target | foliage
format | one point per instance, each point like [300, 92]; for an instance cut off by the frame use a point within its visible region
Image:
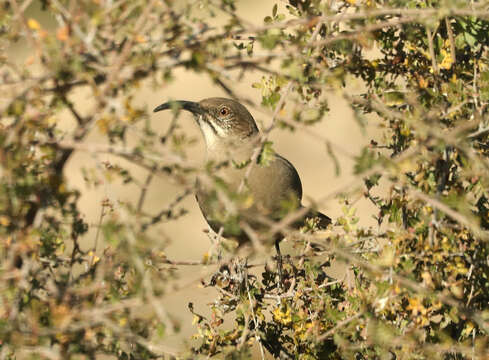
[419, 281]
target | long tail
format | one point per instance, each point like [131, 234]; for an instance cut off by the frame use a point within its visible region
[324, 220]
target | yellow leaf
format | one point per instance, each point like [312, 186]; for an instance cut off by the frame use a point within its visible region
[4, 221]
[248, 202]
[63, 33]
[33, 24]
[416, 306]
[469, 327]
[281, 316]
[62, 338]
[30, 60]
[447, 61]
[388, 256]
[423, 83]
[95, 258]
[104, 124]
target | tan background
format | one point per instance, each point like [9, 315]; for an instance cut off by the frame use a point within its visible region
[188, 242]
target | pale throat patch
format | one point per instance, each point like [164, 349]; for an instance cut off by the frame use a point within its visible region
[209, 135]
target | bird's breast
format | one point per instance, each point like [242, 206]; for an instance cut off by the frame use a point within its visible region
[260, 191]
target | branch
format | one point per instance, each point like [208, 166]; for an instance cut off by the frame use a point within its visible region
[451, 38]
[434, 64]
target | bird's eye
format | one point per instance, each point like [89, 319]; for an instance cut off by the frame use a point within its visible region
[224, 111]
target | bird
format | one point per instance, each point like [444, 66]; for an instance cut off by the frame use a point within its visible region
[266, 191]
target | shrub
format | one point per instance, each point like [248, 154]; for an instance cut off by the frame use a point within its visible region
[419, 280]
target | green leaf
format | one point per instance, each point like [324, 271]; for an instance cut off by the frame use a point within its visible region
[470, 39]
[366, 160]
[267, 154]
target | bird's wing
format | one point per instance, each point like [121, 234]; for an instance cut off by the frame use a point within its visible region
[292, 175]
[322, 220]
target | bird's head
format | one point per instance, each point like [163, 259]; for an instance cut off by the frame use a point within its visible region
[221, 120]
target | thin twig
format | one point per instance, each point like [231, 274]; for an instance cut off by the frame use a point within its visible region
[79, 119]
[451, 39]
[338, 325]
[255, 321]
[167, 211]
[434, 63]
[97, 234]
[144, 190]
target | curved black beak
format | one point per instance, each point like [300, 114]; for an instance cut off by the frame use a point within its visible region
[191, 106]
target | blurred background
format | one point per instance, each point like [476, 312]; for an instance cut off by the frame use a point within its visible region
[186, 236]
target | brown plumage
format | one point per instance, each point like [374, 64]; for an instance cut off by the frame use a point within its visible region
[231, 137]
